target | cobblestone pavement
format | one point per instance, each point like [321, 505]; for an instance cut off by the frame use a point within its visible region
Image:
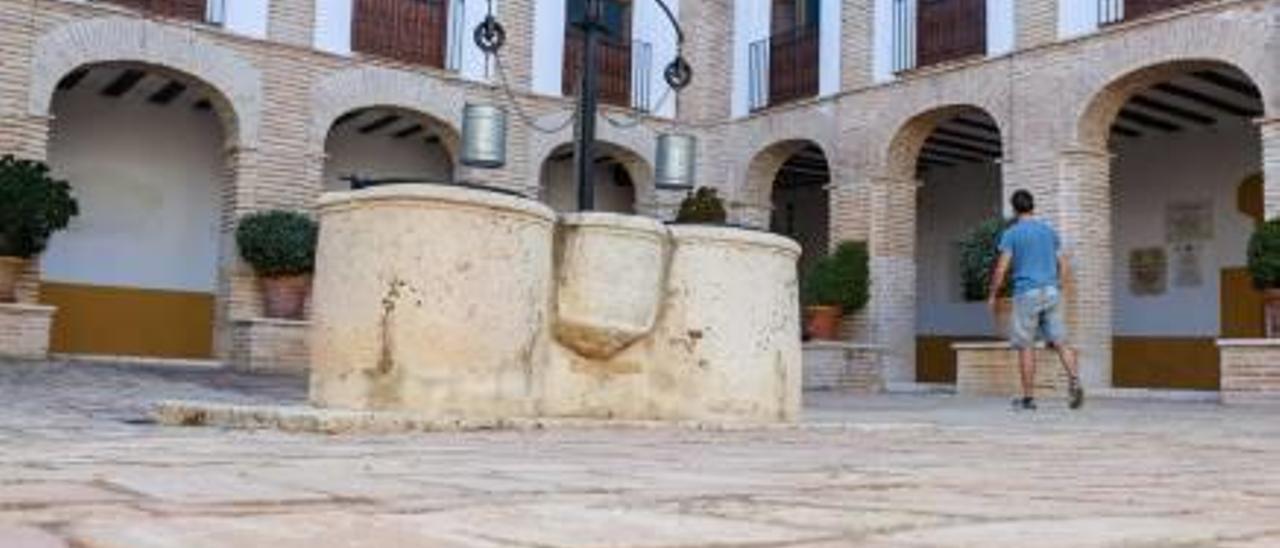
[80, 466]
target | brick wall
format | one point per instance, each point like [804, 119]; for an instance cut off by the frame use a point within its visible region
[1250, 371]
[1035, 22]
[24, 330]
[842, 366]
[991, 369]
[262, 344]
[291, 21]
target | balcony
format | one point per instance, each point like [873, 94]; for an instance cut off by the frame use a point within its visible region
[928, 32]
[783, 68]
[622, 68]
[412, 31]
[1116, 11]
[204, 11]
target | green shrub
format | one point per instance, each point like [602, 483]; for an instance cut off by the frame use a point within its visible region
[979, 251]
[33, 205]
[1264, 255]
[841, 279]
[278, 243]
[702, 206]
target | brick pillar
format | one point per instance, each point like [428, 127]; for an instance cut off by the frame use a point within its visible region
[24, 135]
[1270, 131]
[1035, 22]
[848, 220]
[1084, 220]
[708, 27]
[856, 43]
[292, 21]
[893, 274]
[517, 55]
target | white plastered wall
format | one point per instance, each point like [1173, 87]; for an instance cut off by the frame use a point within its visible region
[559, 191]
[1150, 173]
[149, 181]
[750, 23]
[349, 152]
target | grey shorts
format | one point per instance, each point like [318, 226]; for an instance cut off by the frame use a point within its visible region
[1037, 314]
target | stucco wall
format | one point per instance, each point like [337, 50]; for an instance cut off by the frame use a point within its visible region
[149, 180]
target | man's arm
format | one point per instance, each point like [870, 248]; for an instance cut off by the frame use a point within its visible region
[997, 277]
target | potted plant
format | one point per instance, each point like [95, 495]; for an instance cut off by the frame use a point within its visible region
[979, 252]
[838, 284]
[33, 205]
[702, 206]
[1264, 268]
[281, 248]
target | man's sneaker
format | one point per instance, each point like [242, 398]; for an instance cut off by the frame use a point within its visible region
[1024, 404]
[1075, 394]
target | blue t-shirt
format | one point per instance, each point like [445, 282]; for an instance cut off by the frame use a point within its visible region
[1034, 246]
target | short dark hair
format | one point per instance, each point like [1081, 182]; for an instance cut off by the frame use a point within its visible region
[1023, 202]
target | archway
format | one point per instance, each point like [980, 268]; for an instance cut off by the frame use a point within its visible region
[619, 172]
[799, 177]
[376, 144]
[136, 273]
[1185, 193]
[953, 155]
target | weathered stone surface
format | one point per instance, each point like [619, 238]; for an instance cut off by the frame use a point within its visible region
[861, 471]
[28, 537]
[431, 298]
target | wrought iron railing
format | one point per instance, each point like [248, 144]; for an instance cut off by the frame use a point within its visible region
[414, 31]
[205, 11]
[904, 35]
[623, 72]
[1115, 11]
[783, 67]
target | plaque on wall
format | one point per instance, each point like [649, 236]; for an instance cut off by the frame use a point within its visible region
[1148, 268]
[1186, 266]
[1189, 221]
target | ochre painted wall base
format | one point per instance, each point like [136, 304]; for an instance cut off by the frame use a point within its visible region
[125, 321]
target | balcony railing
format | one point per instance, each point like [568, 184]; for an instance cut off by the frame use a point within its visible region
[928, 32]
[623, 69]
[1115, 11]
[783, 68]
[413, 31]
[205, 11]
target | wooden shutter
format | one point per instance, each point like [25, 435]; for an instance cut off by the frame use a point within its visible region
[793, 65]
[950, 29]
[1139, 8]
[413, 31]
[194, 10]
[613, 61]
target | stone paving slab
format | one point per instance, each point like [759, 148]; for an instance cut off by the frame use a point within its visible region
[81, 465]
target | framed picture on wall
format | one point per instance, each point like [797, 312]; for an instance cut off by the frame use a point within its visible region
[1189, 221]
[1148, 271]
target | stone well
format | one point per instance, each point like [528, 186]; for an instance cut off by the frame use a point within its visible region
[430, 298]
[463, 303]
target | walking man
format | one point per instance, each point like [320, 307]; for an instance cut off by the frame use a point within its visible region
[1032, 250]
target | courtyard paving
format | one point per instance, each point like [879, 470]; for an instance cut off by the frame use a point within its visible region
[80, 465]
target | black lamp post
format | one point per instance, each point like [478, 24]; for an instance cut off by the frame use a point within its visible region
[490, 36]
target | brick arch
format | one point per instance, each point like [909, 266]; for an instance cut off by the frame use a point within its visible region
[636, 147]
[638, 167]
[904, 147]
[236, 82]
[763, 168]
[355, 89]
[1099, 112]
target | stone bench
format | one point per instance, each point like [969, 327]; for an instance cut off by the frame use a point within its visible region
[837, 365]
[270, 345]
[991, 369]
[1250, 370]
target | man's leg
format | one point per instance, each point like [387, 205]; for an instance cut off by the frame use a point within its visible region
[1027, 365]
[1056, 333]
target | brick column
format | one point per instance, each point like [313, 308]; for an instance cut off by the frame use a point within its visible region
[1084, 220]
[893, 274]
[1269, 129]
[1035, 22]
[24, 135]
[517, 55]
[856, 42]
[292, 21]
[708, 27]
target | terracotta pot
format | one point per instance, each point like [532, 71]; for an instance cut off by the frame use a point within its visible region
[285, 296]
[824, 322]
[10, 270]
[1271, 312]
[1002, 317]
